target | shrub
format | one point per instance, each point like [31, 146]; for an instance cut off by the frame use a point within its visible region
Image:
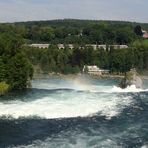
[4, 87]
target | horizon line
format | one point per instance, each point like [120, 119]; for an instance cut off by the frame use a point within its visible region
[62, 19]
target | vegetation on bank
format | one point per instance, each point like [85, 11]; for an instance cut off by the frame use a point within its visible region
[15, 69]
[4, 88]
[72, 60]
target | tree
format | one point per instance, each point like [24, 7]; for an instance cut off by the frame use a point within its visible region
[19, 72]
[2, 70]
[46, 34]
[4, 87]
[138, 30]
[15, 68]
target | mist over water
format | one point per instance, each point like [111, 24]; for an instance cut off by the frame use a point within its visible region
[79, 112]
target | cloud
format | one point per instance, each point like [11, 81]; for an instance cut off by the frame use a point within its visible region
[27, 10]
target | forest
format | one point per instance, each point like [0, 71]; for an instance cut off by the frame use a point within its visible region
[70, 31]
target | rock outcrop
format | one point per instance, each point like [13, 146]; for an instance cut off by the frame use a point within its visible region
[131, 78]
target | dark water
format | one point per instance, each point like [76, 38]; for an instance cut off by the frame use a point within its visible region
[60, 114]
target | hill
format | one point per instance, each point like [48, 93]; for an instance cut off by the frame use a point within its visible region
[72, 31]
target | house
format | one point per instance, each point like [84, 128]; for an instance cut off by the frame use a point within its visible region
[94, 70]
[145, 34]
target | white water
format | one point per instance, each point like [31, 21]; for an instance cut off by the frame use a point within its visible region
[82, 84]
[65, 104]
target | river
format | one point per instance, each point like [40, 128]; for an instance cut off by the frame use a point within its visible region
[75, 113]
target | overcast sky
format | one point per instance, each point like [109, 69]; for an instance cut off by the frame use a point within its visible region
[27, 10]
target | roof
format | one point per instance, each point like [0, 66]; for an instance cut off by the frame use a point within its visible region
[145, 35]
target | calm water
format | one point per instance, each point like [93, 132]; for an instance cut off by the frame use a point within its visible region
[77, 113]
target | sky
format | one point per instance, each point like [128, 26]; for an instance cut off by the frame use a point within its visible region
[29, 10]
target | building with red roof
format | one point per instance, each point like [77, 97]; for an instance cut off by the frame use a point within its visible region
[145, 34]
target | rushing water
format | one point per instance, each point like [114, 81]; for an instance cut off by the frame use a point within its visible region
[77, 113]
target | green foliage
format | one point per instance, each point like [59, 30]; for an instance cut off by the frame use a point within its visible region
[15, 68]
[76, 31]
[19, 71]
[119, 60]
[4, 88]
[138, 30]
[2, 70]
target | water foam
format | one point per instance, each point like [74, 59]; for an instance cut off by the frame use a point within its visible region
[67, 104]
[144, 146]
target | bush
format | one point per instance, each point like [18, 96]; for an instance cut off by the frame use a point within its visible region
[4, 87]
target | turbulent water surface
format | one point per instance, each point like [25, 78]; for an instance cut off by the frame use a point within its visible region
[75, 113]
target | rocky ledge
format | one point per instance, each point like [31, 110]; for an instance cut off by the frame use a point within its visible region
[131, 78]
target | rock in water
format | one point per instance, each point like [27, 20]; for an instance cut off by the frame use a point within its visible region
[137, 82]
[131, 78]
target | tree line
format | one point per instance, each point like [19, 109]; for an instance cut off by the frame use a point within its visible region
[15, 68]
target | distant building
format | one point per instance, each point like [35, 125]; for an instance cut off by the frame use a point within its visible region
[102, 46]
[118, 46]
[105, 47]
[61, 46]
[40, 45]
[71, 46]
[95, 46]
[94, 70]
[145, 34]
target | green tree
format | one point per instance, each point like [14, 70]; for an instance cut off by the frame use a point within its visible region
[15, 68]
[19, 72]
[138, 30]
[2, 70]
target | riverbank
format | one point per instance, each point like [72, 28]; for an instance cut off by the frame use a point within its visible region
[72, 76]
